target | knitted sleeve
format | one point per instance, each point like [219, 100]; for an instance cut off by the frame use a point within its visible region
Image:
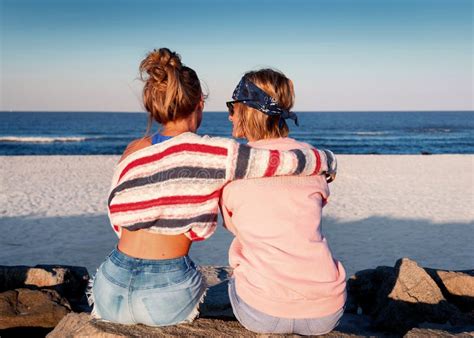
[248, 162]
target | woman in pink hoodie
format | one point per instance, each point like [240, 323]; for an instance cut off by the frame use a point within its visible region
[285, 278]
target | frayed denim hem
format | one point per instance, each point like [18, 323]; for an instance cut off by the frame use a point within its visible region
[195, 313]
[90, 296]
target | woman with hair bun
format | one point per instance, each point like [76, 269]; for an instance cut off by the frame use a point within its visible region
[285, 278]
[164, 195]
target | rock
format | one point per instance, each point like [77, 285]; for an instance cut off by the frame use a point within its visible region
[352, 325]
[40, 276]
[31, 308]
[462, 319]
[430, 333]
[400, 298]
[215, 274]
[13, 277]
[216, 319]
[409, 299]
[414, 285]
[364, 286]
[82, 325]
[380, 300]
[216, 303]
[69, 281]
[456, 286]
[361, 291]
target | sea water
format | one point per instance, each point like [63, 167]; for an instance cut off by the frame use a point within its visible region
[89, 133]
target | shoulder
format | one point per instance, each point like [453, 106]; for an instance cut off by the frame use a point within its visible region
[215, 141]
[136, 145]
[282, 144]
[302, 145]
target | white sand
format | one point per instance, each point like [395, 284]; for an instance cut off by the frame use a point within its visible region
[383, 207]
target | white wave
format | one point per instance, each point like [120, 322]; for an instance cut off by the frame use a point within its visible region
[40, 139]
[438, 130]
[370, 133]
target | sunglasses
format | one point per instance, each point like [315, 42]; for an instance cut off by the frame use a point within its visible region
[230, 105]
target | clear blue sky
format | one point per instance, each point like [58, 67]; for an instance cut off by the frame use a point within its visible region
[72, 55]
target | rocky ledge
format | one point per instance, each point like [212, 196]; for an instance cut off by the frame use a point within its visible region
[404, 300]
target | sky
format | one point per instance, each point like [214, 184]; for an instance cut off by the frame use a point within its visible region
[342, 55]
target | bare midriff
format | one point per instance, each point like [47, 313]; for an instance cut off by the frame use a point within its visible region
[148, 245]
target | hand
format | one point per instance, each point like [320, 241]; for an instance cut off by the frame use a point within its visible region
[332, 165]
[330, 178]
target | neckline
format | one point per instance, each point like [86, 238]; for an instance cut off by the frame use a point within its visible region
[135, 155]
[158, 138]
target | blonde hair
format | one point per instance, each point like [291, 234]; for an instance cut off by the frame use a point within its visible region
[254, 124]
[172, 90]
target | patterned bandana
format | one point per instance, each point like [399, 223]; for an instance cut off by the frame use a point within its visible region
[252, 96]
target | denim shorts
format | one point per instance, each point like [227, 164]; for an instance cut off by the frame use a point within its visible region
[130, 290]
[259, 322]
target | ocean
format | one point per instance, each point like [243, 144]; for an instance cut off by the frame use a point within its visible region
[89, 133]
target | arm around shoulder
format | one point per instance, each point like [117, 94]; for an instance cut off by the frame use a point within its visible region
[256, 163]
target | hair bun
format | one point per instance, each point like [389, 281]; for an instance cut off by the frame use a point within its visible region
[171, 90]
[159, 63]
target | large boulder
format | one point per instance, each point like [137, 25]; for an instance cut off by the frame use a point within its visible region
[456, 286]
[436, 333]
[69, 281]
[82, 325]
[400, 298]
[31, 308]
[363, 289]
[411, 298]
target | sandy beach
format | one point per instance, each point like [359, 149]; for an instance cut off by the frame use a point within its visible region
[382, 207]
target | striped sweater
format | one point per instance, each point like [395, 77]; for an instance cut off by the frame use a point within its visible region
[173, 187]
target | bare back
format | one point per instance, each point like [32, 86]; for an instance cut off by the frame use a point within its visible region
[144, 244]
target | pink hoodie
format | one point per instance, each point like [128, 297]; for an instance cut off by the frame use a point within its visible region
[282, 263]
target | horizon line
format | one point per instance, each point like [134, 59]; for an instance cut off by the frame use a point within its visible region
[225, 112]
